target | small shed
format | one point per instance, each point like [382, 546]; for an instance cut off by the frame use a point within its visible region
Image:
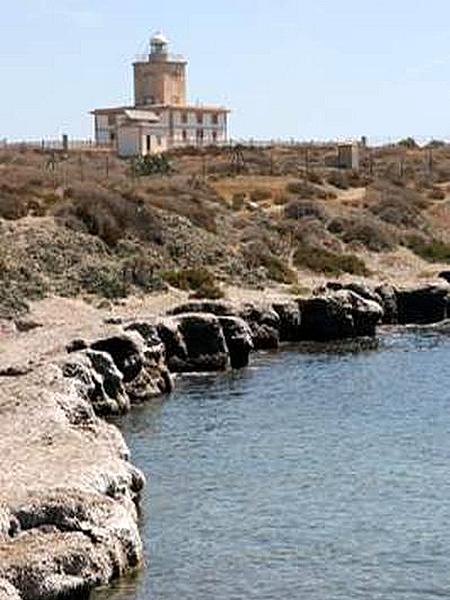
[348, 156]
[139, 133]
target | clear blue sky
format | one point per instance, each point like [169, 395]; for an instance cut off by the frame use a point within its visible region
[287, 68]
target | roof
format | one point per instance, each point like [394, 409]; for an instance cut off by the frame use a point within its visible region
[156, 107]
[190, 107]
[159, 38]
[141, 115]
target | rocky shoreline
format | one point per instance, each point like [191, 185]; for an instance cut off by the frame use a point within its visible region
[69, 493]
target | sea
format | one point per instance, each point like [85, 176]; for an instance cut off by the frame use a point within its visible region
[321, 472]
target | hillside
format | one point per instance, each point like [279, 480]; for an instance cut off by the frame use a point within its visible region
[85, 224]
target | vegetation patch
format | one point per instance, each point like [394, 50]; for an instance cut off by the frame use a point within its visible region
[324, 261]
[201, 281]
[432, 251]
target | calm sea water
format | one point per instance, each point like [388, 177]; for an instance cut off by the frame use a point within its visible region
[311, 475]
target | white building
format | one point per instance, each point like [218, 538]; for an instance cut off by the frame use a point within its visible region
[160, 118]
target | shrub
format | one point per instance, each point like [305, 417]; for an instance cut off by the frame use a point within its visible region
[106, 282]
[304, 189]
[258, 254]
[409, 143]
[191, 206]
[436, 194]
[314, 177]
[399, 206]
[330, 263]
[433, 251]
[260, 195]
[276, 269]
[299, 209]
[369, 232]
[152, 164]
[199, 280]
[12, 206]
[339, 180]
[110, 216]
[238, 201]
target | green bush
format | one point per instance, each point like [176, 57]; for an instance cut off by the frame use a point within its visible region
[329, 263]
[433, 251]
[106, 282]
[201, 281]
[152, 164]
[409, 143]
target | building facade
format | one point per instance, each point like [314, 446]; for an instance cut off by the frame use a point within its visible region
[161, 118]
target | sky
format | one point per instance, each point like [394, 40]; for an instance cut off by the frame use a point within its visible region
[303, 69]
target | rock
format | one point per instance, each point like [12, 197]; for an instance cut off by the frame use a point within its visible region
[127, 352]
[360, 288]
[100, 381]
[388, 300]
[8, 591]
[68, 518]
[264, 324]
[69, 542]
[290, 320]
[155, 378]
[445, 275]
[112, 391]
[113, 320]
[194, 342]
[15, 371]
[76, 345]
[428, 304]
[239, 340]
[175, 347]
[212, 307]
[142, 363]
[342, 314]
[25, 325]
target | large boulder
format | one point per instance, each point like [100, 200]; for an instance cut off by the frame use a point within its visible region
[140, 360]
[388, 300]
[99, 380]
[289, 321]
[195, 343]
[428, 304]
[342, 314]
[126, 350]
[155, 371]
[239, 340]
[264, 323]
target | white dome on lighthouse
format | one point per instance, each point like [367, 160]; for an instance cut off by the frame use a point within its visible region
[159, 39]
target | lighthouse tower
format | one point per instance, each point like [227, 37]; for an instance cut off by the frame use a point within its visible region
[161, 79]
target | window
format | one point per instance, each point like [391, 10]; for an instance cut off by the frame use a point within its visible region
[184, 135]
[148, 143]
[112, 137]
[199, 118]
[200, 136]
[159, 140]
[184, 117]
[215, 119]
[111, 119]
[214, 136]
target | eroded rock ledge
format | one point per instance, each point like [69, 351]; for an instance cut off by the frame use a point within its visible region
[68, 500]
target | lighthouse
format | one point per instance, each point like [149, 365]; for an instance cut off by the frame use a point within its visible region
[161, 117]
